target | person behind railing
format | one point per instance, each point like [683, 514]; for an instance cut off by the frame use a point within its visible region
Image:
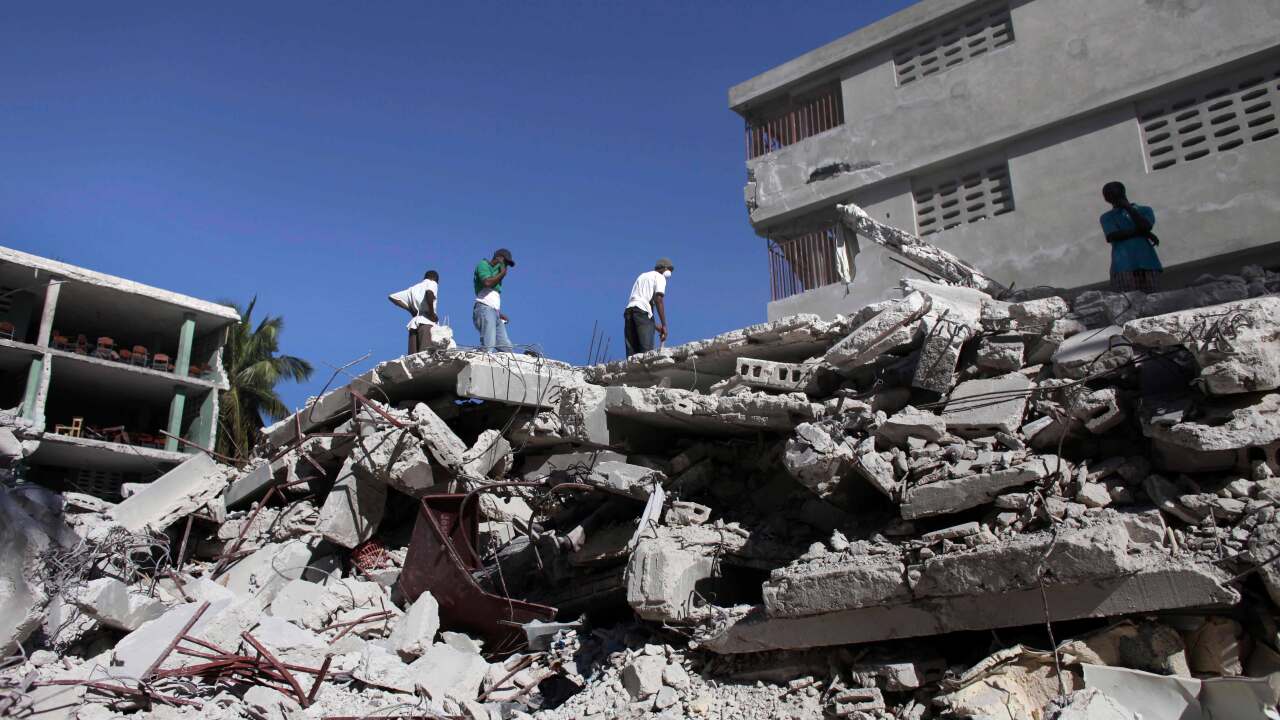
[1134, 263]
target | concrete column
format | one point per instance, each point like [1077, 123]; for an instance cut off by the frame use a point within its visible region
[50, 305]
[202, 428]
[34, 376]
[176, 408]
[182, 365]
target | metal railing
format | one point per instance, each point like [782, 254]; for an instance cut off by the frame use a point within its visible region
[795, 121]
[805, 262]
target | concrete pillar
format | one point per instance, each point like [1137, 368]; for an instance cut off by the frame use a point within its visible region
[202, 428]
[176, 408]
[34, 376]
[46, 316]
[182, 365]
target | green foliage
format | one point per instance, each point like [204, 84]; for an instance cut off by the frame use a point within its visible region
[253, 369]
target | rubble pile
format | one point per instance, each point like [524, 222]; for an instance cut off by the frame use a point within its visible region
[967, 502]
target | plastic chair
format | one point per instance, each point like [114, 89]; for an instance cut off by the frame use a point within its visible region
[7, 329]
[139, 356]
[161, 362]
[72, 430]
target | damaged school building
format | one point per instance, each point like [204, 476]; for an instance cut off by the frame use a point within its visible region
[980, 492]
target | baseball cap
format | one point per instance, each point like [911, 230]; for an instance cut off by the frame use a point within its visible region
[505, 254]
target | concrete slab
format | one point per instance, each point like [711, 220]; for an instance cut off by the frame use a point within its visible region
[956, 494]
[984, 407]
[197, 482]
[695, 413]
[1091, 572]
[353, 509]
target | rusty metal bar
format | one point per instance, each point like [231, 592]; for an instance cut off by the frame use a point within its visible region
[218, 456]
[235, 547]
[266, 655]
[365, 401]
[177, 639]
[315, 687]
[121, 690]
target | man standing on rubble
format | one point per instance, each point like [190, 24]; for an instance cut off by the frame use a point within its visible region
[647, 294]
[1134, 264]
[490, 322]
[420, 301]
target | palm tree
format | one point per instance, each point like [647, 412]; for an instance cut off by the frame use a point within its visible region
[253, 370]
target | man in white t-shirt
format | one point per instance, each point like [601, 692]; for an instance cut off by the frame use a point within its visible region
[420, 301]
[647, 294]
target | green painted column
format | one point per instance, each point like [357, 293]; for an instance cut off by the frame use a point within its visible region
[176, 407]
[202, 426]
[182, 365]
[33, 388]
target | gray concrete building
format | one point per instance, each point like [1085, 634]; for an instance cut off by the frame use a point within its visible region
[107, 373]
[989, 129]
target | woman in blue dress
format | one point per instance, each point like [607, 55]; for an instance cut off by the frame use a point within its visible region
[1134, 264]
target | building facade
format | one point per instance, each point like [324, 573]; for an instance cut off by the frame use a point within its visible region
[989, 129]
[117, 380]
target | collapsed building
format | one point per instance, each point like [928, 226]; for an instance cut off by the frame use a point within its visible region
[963, 502]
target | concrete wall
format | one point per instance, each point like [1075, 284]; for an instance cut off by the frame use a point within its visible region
[1061, 104]
[1069, 58]
[1219, 204]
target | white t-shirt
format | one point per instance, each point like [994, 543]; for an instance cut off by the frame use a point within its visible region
[414, 298]
[646, 286]
[490, 297]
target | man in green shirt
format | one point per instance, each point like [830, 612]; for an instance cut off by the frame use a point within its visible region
[487, 313]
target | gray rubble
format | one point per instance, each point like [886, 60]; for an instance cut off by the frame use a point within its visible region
[966, 501]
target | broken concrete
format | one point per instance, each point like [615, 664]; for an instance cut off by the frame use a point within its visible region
[920, 253]
[688, 411]
[986, 407]
[892, 327]
[911, 423]
[956, 494]
[353, 509]
[197, 483]
[115, 605]
[416, 631]
[1236, 345]
[1090, 572]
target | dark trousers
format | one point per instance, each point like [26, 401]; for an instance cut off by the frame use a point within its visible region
[419, 339]
[638, 329]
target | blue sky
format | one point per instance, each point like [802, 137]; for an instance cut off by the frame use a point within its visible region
[320, 155]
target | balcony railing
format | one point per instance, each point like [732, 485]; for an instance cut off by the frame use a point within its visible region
[795, 121]
[808, 261]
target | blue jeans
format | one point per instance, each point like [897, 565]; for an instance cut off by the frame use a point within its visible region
[493, 332]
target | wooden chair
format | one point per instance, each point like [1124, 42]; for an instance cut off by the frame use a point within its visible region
[139, 356]
[7, 329]
[106, 348]
[72, 430]
[161, 362]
